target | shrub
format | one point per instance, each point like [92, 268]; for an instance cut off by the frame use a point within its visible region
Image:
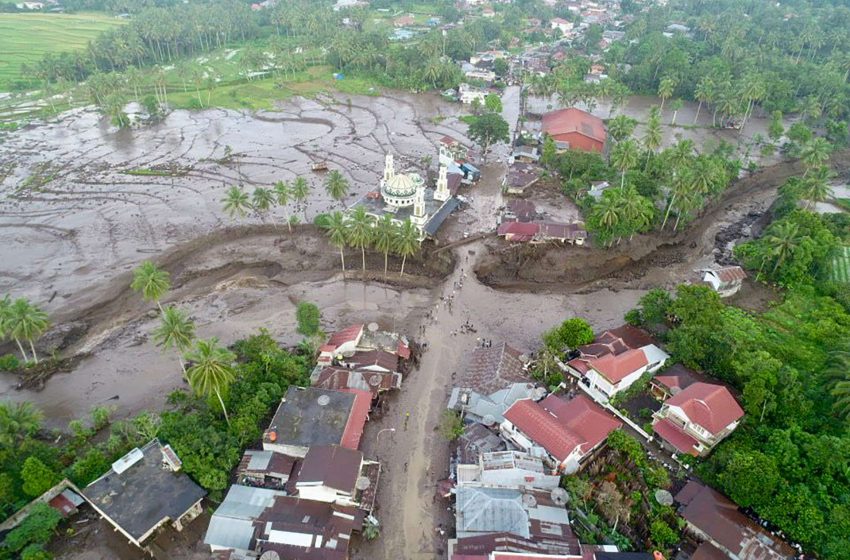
[37, 477]
[9, 362]
[37, 528]
[451, 425]
[308, 315]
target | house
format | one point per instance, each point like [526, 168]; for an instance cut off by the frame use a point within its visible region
[339, 378]
[597, 189]
[696, 419]
[346, 4]
[145, 490]
[542, 232]
[452, 152]
[725, 281]
[404, 21]
[312, 416]
[489, 409]
[475, 440]
[334, 474]
[480, 74]
[561, 25]
[252, 522]
[519, 210]
[525, 154]
[507, 469]
[563, 433]
[340, 344]
[518, 232]
[672, 381]
[492, 368]
[575, 129]
[488, 12]
[468, 94]
[712, 517]
[616, 359]
[266, 469]
[519, 177]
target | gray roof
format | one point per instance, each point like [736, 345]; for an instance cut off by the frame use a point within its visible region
[144, 494]
[490, 510]
[480, 406]
[259, 460]
[312, 416]
[440, 216]
[232, 525]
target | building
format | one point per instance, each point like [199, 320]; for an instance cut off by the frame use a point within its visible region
[480, 74]
[452, 152]
[353, 344]
[490, 409]
[519, 210]
[492, 368]
[725, 281]
[404, 21]
[475, 440]
[672, 381]
[340, 344]
[562, 25]
[574, 129]
[696, 419]
[404, 196]
[542, 232]
[340, 378]
[598, 188]
[712, 517]
[334, 474]
[525, 154]
[346, 4]
[616, 359]
[312, 416]
[254, 521]
[267, 469]
[563, 433]
[519, 178]
[143, 491]
[507, 469]
[468, 94]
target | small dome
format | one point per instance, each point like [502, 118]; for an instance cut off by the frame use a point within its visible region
[400, 185]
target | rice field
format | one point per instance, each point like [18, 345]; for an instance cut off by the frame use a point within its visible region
[25, 38]
[841, 266]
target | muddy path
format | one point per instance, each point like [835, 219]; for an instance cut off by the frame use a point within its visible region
[657, 259]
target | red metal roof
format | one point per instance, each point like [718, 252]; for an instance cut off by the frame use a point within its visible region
[403, 350]
[569, 120]
[348, 334]
[560, 426]
[674, 435]
[616, 367]
[519, 228]
[731, 274]
[63, 505]
[357, 419]
[711, 406]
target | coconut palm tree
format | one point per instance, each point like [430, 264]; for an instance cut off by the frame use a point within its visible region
[6, 321]
[283, 193]
[782, 241]
[815, 153]
[652, 137]
[151, 281]
[336, 186]
[262, 201]
[360, 232]
[235, 202]
[624, 156]
[816, 187]
[336, 227]
[211, 371]
[27, 322]
[407, 242]
[385, 236]
[17, 422]
[665, 89]
[704, 93]
[621, 127]
[176, 331]
[301, 192]
[637, 211]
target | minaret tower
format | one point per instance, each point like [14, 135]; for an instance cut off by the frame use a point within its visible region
[419, 218]
[442, 192]
[389, 168]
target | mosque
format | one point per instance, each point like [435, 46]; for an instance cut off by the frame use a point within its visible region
[406, 196]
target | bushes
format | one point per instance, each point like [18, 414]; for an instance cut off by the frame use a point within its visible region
[9, 362]
[37, 477]
[36, 529]
[572, 333]
[308, 316]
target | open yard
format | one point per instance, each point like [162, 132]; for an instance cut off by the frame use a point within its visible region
[25, 38]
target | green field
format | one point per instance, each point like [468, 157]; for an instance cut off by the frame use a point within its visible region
[25, 38]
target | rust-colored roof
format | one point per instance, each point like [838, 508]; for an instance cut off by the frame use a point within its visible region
[332, 466]
[379, 358]
[403, 350]
[719, 518]
[337, 378]
[615, 368]
[565, 121]
[519, 229]
[493, 368]
[560, 426]
[524, 210]
[711, 406]
[674, 435]
[357, 419]
[348, 334]
[677, 377]
[707, 551]
[730, 274]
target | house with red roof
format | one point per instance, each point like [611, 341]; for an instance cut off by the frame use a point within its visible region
[341, 343]
[562, 432]
[696, 419]
[616, 359]
[574, 129]
[725, 281]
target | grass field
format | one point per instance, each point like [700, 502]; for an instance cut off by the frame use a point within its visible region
[25, 38]
[841, 266]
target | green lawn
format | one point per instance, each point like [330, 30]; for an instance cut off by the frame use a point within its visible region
[841, 266]
[25, 38]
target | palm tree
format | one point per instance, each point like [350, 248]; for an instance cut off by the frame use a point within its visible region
[621, 127]
[337, 230]
[637, 210]
[652, 137]
[815, 153]
[301, 192]
[262, 201]
[151, 281]
[236, 202]
[6, 321]
[704, 93]
[783, 241]
[211, 371]
[407, 242]
[17, 422]
[360, 232]
[665, 89]
[176, 331]
[336, 186]
[624, 156]
[385, 236]
[607, 213]
[27, 322]
[677, 104]
[839, 379]
[283, 192]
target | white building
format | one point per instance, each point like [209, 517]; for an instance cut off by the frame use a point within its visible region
[507, 469]
[561, 25]
[725, 281]
[468, 94]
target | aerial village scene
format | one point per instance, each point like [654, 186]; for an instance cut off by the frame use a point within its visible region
[409, 280]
